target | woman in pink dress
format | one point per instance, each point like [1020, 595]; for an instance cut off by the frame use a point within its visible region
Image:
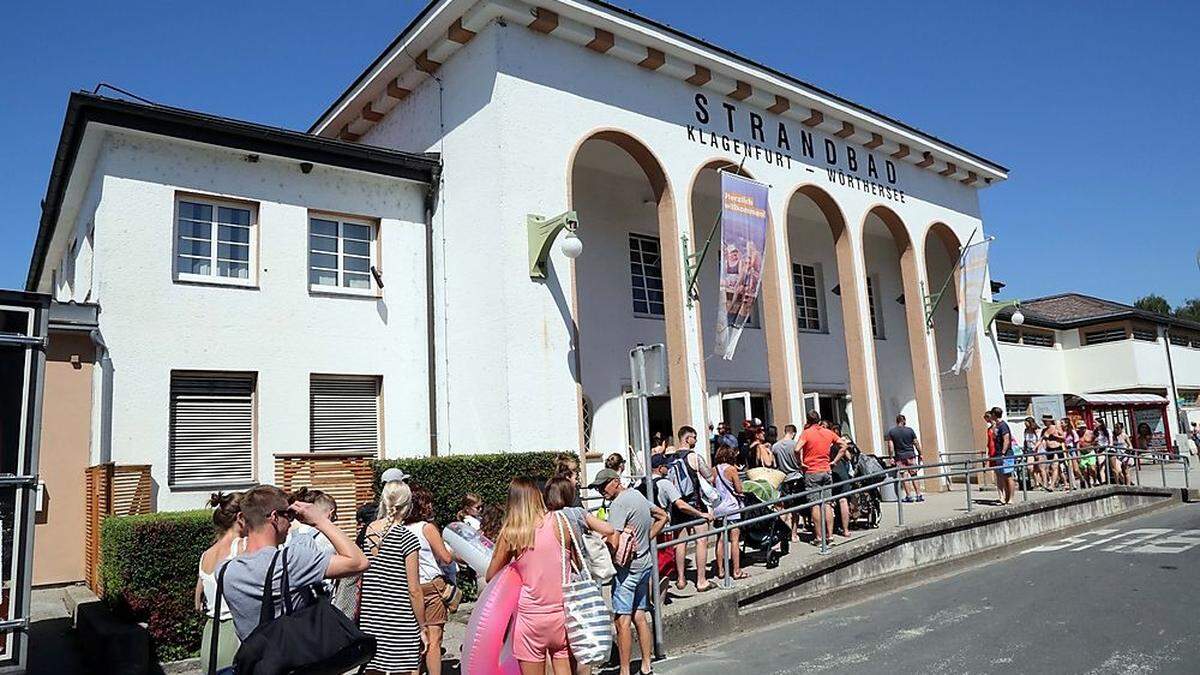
[530, 539]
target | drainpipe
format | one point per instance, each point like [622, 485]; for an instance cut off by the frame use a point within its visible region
[431, 198]
[1181, 425]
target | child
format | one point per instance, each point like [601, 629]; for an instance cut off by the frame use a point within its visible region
[469, 510]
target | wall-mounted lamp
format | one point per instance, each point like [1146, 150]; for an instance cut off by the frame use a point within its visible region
[542, 232]
[991, 309]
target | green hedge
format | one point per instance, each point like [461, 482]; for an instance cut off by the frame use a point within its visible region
[148, 567]
[148, 563]
[449, 478]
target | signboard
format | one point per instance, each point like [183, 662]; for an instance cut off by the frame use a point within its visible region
[1150, 432]
[1048, 405]
[971, 277]
[743, 245]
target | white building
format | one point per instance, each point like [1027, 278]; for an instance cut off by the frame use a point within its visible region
[216, 354]
[1112, 360]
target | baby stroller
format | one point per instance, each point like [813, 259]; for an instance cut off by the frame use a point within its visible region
[764, 535]
[868, 470]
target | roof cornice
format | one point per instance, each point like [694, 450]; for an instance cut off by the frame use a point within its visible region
[444, 26]
[84, 109]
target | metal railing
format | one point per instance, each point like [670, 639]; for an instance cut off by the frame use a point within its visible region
[775, 508]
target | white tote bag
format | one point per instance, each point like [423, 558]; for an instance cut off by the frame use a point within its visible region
[589, 623]
[596, 556]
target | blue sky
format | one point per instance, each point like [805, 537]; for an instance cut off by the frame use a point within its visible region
[1092, 106]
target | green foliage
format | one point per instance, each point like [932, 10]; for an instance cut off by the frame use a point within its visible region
[1189, 310]
[148, 567]
[1153, 303]
[449, 478]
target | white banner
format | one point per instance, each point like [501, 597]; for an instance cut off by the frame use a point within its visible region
[972, 275]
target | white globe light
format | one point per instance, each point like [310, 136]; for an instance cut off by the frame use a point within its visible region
[571, 245]
[1018, 318]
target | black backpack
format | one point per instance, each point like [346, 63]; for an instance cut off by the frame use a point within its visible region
[316, 639]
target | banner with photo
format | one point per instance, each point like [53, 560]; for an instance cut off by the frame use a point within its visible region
[743, 244]
[972, 275]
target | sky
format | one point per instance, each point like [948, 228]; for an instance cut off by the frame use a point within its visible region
[1092, 106]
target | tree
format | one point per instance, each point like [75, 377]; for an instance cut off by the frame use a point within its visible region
[1154, 303]
[1189, 310]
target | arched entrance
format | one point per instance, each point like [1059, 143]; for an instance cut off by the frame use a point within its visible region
[759, 382]
[962, 396]
[631, 285]
[902, 356]
[826, 296]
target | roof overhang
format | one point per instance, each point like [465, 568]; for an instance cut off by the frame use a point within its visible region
[444, 26]
[1120, 399]
[88, 115]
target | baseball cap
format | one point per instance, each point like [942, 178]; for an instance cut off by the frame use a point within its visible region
[602, 478]
[659, 460]
[393, 474]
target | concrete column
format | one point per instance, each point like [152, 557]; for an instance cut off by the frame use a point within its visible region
[779, 321]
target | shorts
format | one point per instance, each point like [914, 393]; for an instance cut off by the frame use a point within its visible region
[812, 481]
[631, 591]
[1087, 461]
[537, 635]
[1008, 462]
[436, 612]
[907, 462]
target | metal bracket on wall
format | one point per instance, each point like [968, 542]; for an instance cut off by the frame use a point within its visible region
[542, 232]
[991, 309]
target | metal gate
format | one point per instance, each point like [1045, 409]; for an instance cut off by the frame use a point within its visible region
[23, 321]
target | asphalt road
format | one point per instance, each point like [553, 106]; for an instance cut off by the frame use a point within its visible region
[1121, 599]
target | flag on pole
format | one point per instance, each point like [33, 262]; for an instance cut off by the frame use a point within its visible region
[743, 245]
[972, 274]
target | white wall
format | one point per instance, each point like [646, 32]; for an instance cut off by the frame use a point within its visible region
[153, 325]
[1032, 370]
[516, 104]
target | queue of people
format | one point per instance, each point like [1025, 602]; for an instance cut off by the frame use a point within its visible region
[1057, 454]
[397, 580]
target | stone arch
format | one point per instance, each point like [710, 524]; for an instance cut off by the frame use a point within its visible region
[650, 169]
[942, 245]
[924, 376]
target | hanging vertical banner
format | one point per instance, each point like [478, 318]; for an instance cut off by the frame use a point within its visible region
[971, 279]
[743, 242]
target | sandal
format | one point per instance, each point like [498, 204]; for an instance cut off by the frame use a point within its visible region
[707, 587]
[741, 575]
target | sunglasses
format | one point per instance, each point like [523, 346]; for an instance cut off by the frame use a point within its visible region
[285, 513]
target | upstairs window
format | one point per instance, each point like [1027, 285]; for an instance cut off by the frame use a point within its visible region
[646, 277]
[1145, 333]
[1008, 333]
[1037, 338]
[806, 286]
[341, 253]
[215, 241]
[1102, 335]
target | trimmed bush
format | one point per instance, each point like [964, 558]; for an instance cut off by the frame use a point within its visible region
[148, 567]
[449, 478]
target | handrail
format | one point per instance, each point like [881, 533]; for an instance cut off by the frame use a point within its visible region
[890, 476]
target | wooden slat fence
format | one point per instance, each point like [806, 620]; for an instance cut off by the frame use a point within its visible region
[112, 490]
[347, 477]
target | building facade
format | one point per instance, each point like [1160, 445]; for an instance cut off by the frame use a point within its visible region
[366, 287]
[1121, 363]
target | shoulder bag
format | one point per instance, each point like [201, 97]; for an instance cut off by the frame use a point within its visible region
[589, 623]
[313, 640]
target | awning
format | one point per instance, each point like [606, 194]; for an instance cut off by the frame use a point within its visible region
[1121, 399]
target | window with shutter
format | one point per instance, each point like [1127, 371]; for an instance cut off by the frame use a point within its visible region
[212, 429]
[343, 414]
